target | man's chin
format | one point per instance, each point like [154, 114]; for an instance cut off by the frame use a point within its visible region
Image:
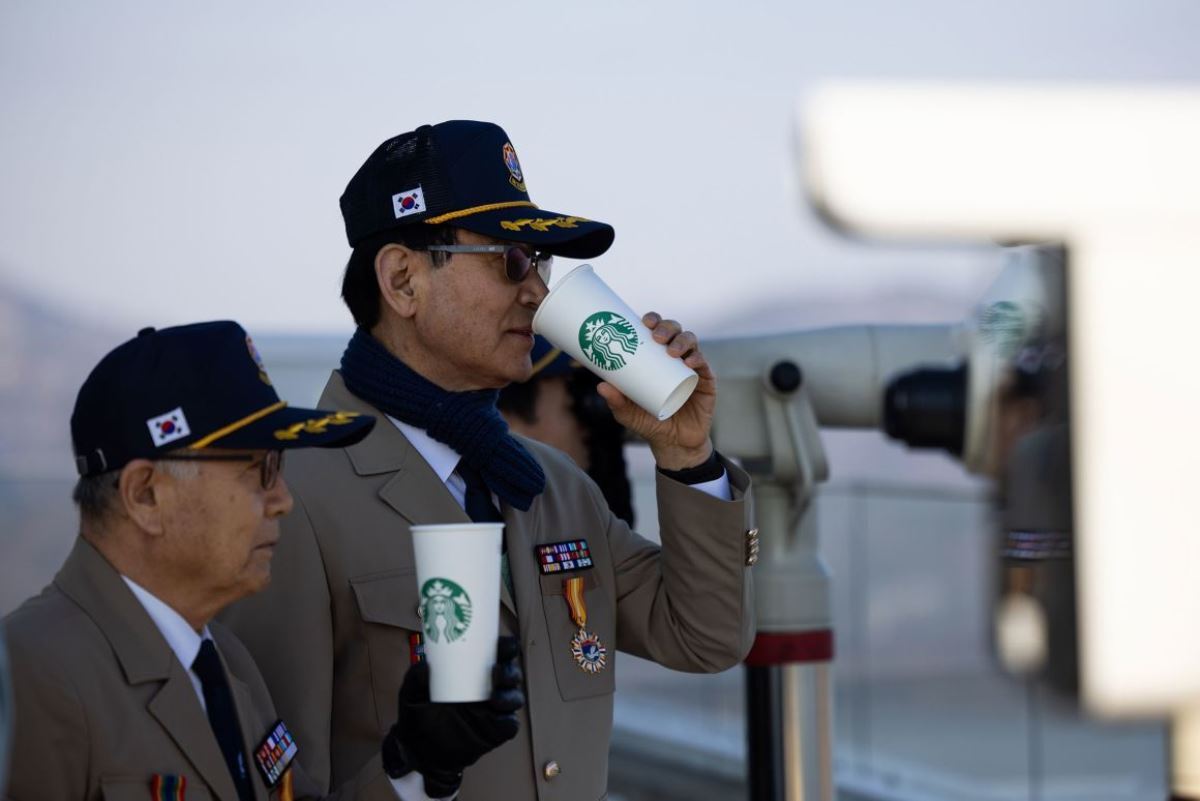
[258, 580]
[517, 377]
[517, 371]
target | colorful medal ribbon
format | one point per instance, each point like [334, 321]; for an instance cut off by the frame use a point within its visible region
[167, 788]
[590, 654]
[286, 792]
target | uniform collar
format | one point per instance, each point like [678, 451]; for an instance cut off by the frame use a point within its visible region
[91, 582]
[442, 459]
[178, 633]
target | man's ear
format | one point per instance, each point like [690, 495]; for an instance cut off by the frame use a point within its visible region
[139, 489]
[399, 270]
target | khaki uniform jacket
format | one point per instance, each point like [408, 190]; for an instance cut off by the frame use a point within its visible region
[331, 632]
[102, 704]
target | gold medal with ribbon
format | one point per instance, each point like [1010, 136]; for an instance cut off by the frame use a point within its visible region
[590, 654]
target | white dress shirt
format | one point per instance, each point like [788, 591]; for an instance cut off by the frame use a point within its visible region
[184, 640]
[440, 457]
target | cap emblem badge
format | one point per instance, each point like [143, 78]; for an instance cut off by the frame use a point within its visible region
[166, 428]
[608, 340]
[254, 354]
[410, 201]
[515, 176]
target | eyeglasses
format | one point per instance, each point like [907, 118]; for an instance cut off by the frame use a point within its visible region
[517, 260]
[268, 469]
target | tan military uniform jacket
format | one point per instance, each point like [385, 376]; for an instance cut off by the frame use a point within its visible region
[102, 704]
[331, 632]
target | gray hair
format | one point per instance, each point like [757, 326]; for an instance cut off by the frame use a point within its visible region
[96, 495]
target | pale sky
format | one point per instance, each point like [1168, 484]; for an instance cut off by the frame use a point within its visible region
[166, 162]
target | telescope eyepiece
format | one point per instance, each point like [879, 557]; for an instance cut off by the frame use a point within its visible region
[927, 408]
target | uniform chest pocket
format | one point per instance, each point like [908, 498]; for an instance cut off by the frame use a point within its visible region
[387, 605]
[584, 666]
[127, 788]
[388, 598]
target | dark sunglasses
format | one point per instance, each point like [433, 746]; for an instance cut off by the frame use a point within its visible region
[517, 260]
[268, 470]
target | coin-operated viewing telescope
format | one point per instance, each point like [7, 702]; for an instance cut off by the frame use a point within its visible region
[927, 385]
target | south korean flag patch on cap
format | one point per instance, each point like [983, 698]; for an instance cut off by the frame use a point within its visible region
[167, 428]
[410, 201]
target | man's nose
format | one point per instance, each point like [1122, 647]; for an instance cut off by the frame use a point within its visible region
[533, 290]
[279, 499]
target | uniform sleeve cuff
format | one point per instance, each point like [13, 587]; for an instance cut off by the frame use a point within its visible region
[711, 470]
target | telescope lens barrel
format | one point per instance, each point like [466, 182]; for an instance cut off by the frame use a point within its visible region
[927, 408]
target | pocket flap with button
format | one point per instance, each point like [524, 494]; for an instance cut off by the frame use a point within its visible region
[388, 598]
[387, 603]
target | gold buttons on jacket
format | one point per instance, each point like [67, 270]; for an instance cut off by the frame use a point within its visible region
[551, 770]
[751, 547]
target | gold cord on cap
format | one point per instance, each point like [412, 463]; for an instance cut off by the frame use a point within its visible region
[454, 215]
[229, 429]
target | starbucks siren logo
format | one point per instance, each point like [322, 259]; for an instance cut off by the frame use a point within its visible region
[445, 610]
[608, 340]
[1003, 325]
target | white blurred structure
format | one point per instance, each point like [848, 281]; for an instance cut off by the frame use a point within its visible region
[1115, 174]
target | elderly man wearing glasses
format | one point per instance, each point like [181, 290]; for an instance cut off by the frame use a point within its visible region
[123, 686]
[450, 261]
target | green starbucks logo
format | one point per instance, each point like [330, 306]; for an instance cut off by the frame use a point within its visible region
[445, 610]
[1003, 324]
[608, 340]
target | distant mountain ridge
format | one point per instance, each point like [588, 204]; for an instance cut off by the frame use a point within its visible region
[44, 357]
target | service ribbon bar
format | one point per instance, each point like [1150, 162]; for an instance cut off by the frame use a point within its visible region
[563, 557]
[275, 753]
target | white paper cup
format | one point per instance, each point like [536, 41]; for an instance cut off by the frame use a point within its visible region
[458, 579]
[586, 319]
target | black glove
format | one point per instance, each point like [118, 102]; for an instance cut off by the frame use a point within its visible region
[440, 740]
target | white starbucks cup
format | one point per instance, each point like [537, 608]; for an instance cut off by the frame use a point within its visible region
[586, 319]
[458, 581]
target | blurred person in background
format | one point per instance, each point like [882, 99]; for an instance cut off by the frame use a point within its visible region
[450, 259]
[559, 405]
[124, 686]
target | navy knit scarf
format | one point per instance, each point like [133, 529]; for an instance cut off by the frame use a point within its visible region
[466, 421]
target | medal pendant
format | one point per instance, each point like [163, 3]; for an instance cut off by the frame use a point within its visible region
[590, 654]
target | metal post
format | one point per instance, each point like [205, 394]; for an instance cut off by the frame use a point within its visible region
[788, 691]
[807, 731]
[764, 732]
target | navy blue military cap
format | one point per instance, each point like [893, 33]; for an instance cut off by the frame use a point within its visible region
[192, 387]
[463, 173]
